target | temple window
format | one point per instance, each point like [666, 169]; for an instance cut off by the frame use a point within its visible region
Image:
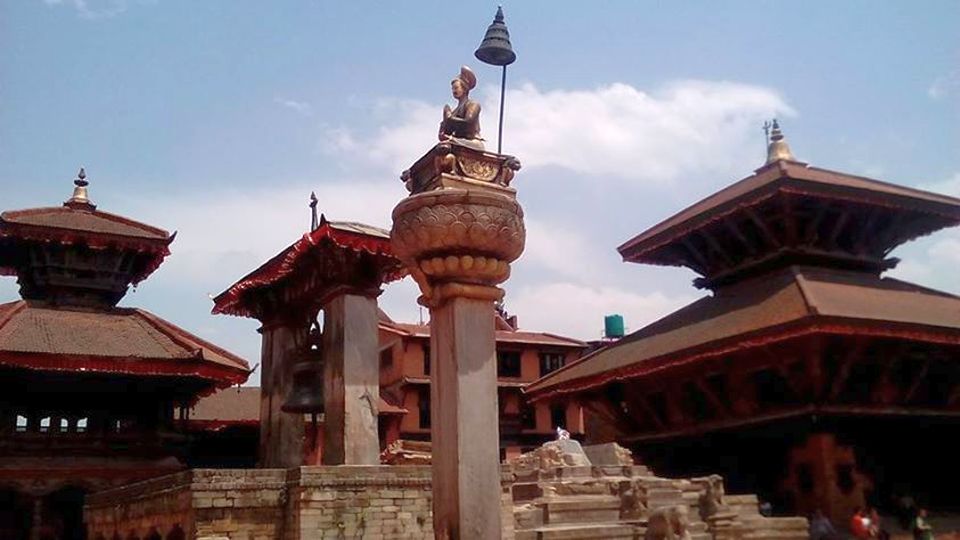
[45, 424]
[508, 363]
[550, 362]
[82, 425]
[528, 416]
[845, 479]
[64, 425]
[22, 423]
[423, 407]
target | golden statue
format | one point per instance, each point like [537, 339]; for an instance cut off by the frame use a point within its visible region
[462, 123]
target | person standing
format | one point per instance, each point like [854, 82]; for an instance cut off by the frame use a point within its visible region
[922, 530]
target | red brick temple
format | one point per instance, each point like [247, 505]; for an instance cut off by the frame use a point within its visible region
[805, 375]
[89, 391]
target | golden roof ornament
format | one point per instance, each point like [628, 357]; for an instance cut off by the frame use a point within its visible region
[777, 147]
[80, 200]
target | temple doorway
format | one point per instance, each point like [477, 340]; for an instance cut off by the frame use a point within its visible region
[16, 512]
[63, 515]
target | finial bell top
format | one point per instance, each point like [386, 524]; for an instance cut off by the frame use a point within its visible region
[80, 200]
[777, 148]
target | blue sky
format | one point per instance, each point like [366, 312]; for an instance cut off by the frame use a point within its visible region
[218, 118]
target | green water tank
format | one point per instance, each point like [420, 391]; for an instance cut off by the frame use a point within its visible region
[613, 326]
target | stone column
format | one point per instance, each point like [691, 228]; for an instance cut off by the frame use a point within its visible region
[281, 434]
[458, 232]
[351, 379]
[464, 420]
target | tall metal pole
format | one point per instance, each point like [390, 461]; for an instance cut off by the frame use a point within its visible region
[503, 89]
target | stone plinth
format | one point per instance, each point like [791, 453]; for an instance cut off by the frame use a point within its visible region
[302, 503]
[458, 232]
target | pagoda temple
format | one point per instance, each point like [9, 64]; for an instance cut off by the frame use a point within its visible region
[89, 391]
[805, 375]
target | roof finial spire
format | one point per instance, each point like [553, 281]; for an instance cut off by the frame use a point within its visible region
[314, 223]
[80, 200]
[777, 147]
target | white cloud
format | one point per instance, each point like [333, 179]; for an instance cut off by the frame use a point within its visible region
[950, 186]
[611, 132]
[944, 86]
[560, 250]
[223, 235]
[300, 107]
[577, 310]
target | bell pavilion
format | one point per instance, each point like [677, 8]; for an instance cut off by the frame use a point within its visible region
[91, 394]
[805, 375]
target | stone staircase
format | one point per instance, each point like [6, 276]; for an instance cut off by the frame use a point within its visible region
[620, 501]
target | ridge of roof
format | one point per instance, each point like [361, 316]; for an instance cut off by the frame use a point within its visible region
[17, 217]
[187, 339]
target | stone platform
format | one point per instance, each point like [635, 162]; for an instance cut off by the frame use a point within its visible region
[558, 492]
[370, 502]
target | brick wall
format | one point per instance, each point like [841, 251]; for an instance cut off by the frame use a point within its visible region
[370, 502]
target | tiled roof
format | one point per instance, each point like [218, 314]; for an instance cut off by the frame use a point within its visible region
[242, 405]
[795, 176]
[502, 336]
[92, 228]
[793, 298]
[119, 340]
[61, 217]
[343, 234]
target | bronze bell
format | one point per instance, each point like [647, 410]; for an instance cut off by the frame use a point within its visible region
[306, 393]
[495, 49]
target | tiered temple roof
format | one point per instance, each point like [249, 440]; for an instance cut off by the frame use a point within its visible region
[73, 264]
[790, 250]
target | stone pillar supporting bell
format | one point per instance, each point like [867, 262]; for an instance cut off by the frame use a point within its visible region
[351, 379]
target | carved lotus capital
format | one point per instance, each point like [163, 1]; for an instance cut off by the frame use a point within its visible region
[458, 242]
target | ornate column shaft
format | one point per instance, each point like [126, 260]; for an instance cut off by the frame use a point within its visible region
[458, 232]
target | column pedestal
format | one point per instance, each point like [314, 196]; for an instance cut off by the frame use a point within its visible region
[466, 460]
[351, 380]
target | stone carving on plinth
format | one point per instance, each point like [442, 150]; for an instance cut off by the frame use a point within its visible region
[457, 233]
[668, 523]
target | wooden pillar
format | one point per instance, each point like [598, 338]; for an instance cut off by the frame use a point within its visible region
[281, 434]
[351, 380]
[465, 424]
